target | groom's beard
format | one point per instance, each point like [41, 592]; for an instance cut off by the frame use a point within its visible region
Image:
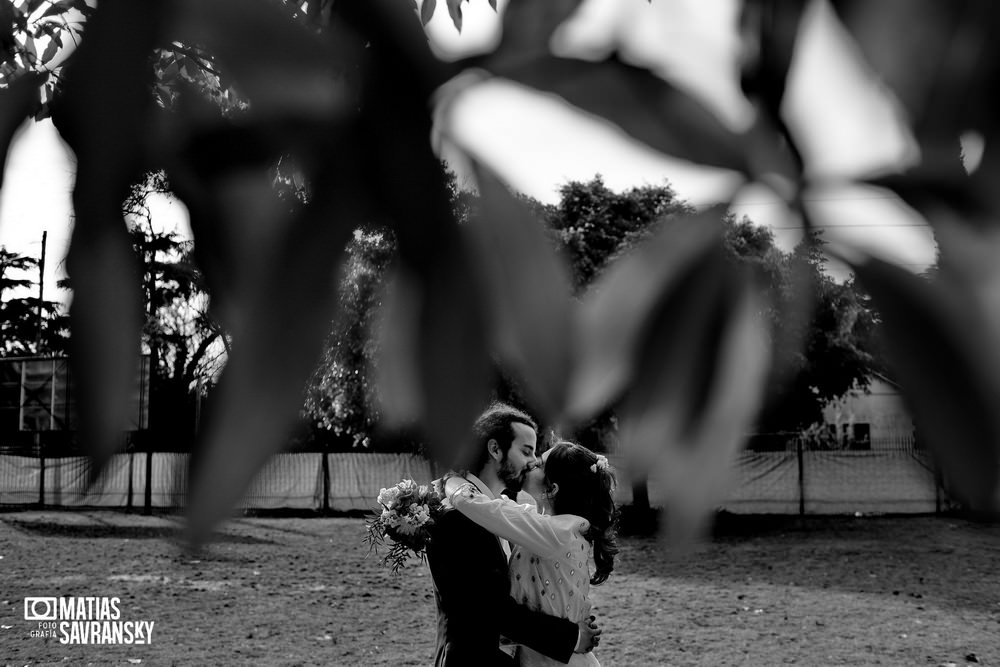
[512, 477]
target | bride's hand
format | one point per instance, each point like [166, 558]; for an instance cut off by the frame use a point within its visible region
[453, 483]
[589, 636]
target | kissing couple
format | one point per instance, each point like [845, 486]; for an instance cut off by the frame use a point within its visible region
[511, 562]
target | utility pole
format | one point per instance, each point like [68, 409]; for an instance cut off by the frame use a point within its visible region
[41, 290]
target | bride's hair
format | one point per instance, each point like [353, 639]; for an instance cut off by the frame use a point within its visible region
[586, 489]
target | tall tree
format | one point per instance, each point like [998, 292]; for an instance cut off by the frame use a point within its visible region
[187, 347]
[27, 326]
[340, 396]
[838, 343]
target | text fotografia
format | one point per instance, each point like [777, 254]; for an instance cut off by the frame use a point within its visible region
[85, 620]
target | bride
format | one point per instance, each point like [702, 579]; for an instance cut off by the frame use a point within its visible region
[553, 544]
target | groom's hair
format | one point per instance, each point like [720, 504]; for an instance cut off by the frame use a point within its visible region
[495, 424]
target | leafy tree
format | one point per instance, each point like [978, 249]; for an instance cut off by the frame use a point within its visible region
[186, 345]
[20, 329]
[834, 353]
[670, 331]
[837, 346]
[340, 396]
[595, 225]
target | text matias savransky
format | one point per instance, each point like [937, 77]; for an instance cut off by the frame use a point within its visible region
[85, 620]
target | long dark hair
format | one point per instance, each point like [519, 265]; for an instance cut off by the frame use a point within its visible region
[586, 489]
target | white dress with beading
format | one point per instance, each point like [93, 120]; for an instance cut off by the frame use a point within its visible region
[549, 561]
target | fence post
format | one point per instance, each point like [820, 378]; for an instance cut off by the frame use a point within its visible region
[802, 481]
[131, 478]
[148, 500]
[41, 468]
[938, 487]
[326, 482]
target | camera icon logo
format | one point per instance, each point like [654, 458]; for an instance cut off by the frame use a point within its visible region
[40, 609]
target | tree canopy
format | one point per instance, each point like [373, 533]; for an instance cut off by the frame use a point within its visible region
[27, 326]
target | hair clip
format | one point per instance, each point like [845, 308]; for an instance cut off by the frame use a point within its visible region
[600, 464]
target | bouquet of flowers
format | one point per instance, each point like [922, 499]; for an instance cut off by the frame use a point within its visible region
[408, 512]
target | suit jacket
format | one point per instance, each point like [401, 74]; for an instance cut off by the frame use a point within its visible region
[474, 606]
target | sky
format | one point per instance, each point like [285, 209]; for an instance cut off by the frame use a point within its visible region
[844, 121]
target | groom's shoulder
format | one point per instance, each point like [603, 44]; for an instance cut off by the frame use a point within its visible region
[451, 520]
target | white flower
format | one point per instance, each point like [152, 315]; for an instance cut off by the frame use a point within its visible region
[390, 519]
[386, 497]
[420, 514]
[407, 526]
[600, 464]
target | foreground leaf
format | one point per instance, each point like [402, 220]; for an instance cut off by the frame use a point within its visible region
[110, 71]
[944, 357]
[407, 189]
[645, 106]
[616, 312]
[286, 70]
[701, 385]
[260, 394]
[397, 372]
[530, 291]
[455, 12]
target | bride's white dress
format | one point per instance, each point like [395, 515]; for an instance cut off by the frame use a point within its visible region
[549, 561]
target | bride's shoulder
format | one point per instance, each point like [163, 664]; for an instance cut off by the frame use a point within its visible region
[574, 523]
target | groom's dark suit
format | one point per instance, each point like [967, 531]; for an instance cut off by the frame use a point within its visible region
[474, 606]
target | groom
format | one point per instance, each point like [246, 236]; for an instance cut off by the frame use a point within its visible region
[469, 564]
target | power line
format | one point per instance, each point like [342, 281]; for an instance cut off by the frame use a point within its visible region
[780, 202]
[874, 224]
[821, 199]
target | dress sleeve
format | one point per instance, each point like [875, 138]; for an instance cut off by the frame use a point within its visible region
[540, 534]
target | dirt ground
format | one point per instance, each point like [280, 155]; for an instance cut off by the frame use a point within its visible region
[300, 591]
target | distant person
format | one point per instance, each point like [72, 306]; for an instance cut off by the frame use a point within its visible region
[469, 564]
[574, 519]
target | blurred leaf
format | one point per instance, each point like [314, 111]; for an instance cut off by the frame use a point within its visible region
[398, 374]
[643, 105]
[944, 73]
[8, 14]
[433, 365]
[32, 6]
[527, 32]
[285, 69]
[407, 188]
[943, 66]
[530, 293]
[945, 359]
[60, 7]
[102, 114]
[427, 11]
[453, 356]
[288, 313]
[677, 351]
[16, 102]
[771, 30]
[770, 34]
[616, 312]
[455, 12]
[698, 392]
[50, 50]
